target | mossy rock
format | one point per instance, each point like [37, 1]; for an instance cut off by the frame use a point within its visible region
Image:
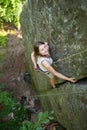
[69, 104]
[64, 25]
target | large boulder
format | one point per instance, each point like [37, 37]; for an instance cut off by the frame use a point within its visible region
[69, 104]
[64, 25]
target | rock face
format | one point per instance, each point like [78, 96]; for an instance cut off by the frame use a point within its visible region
[69, 103]
[64, 25]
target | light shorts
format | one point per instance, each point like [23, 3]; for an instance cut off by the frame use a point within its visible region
[50, 75]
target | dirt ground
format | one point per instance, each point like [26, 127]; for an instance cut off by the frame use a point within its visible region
[14, 66]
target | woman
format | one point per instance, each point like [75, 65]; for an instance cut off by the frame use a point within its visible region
[41, 60]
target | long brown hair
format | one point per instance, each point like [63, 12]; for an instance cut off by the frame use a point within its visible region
[36, 48]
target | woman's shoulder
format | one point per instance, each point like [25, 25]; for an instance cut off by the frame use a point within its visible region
[40, 58]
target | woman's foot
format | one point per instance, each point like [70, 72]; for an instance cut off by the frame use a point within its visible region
[56, 86]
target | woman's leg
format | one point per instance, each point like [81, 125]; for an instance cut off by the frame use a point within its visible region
[52, 82]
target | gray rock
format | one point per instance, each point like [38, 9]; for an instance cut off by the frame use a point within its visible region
[64, 25]
[69, 104]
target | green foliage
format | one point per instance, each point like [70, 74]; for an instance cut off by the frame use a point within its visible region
[10, 10]
[3, 39]
[6, 99]
[20, 116]
[11, 105]
[43, 119]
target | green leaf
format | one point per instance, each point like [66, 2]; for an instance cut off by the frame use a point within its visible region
[51, 118]
[23, 127]
[45, 115]
[39, 128]
[30, 126]
[46, 121]
[40, 116]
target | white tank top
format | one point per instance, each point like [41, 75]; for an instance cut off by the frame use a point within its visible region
[41, 59]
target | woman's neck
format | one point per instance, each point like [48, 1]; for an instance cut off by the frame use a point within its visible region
[48, 55]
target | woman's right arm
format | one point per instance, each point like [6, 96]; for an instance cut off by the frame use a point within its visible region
[57, 74]
[33, 58]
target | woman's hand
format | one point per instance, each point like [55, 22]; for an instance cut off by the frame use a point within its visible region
[73, 80]
[35, 67]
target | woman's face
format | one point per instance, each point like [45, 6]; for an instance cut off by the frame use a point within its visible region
[44, 49]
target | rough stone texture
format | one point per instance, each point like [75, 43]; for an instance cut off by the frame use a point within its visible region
[64, 25]
[69, 103]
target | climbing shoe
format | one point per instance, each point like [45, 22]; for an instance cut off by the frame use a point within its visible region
[57, 86]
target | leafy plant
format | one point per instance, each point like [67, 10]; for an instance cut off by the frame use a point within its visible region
[3, 39]
[43, 119]
[5, 97]
[11, 105]
[20, 115]
[10, 10]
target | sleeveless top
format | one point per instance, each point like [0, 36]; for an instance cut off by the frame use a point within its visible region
[40, 60]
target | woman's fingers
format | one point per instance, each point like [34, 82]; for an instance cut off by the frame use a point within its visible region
[73, 80]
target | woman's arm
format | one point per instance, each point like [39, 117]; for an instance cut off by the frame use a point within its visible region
[57, 74]
[33, 58]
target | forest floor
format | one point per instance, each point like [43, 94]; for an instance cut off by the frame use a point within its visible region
[13, 65]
